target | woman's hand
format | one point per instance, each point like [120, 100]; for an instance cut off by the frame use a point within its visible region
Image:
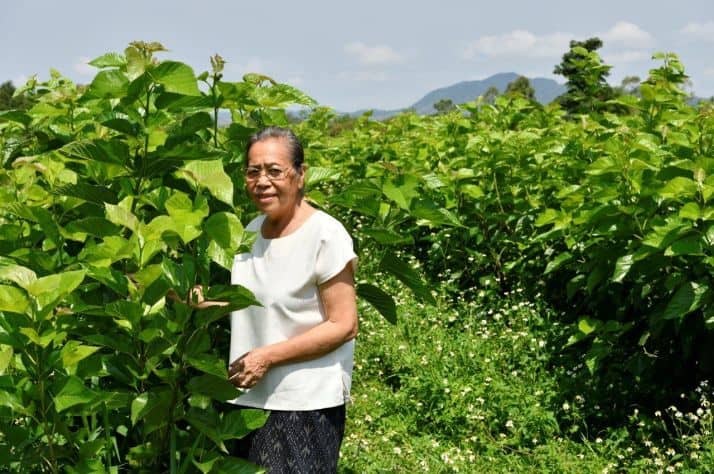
[248, 369]
[195, 298]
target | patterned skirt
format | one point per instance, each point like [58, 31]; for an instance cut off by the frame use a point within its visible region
[296, 442]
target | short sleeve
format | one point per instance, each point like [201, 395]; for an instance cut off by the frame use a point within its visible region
[335, 252]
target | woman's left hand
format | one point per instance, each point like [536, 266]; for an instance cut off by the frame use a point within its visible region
[248, 369]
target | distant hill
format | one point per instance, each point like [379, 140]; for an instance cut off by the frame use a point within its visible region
[545, 91]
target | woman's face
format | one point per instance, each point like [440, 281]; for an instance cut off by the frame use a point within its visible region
[271, 180]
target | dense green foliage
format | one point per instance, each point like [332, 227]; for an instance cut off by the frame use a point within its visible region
[114, 194]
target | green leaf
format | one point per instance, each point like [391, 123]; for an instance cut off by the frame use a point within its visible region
[109, 60]
[209, 364]
[74, 351]
[175, 77]
[381, 301]
[388, 237]
[40, 215]
[207, 422]
[97, 226]
[10, 271]
[87, 192]
[622, 268]
[152, 408]
[218, 388]
[663, 235]
[237, 297]
[397, 194]
[49, 289]
[15, 116]
[73, 393]
[472, 191]
[433, 213]
[233, 465]
[6, 353]
[107, 151]
[111, 278]
[406, 274]
[689, 297]
[588, 325]
[110, 84]
[225, 229]
[689, 245]
[120, 215]
[557, 262]
[209, 175]
[679, 188]
[239, 423]
[316, 174]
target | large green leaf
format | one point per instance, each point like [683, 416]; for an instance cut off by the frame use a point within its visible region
[6, 354]
[679, 188]
[688, 298]
[107, 151]
[382, 301]
[49, 289]
[109, 84]
[388, 237]
[218, 388]
[434, 214]
[10, 271]
[13, 299]
[109, 60]
[239, 423]
[97, 226]
[557, 262]
[175, 77]
[74, 351]
[73, 393]
[120, 215]
[225, 229]
[209, 175]
[317, 174]
[404, 272]
[152, 407]
[88, 192]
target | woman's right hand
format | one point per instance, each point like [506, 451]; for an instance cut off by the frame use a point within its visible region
[195, 298]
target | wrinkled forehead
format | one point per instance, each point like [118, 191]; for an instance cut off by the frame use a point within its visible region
[271, 151]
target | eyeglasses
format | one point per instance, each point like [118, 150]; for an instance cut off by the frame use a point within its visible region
[273, 173]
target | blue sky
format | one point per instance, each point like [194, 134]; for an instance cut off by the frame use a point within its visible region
[367, 54]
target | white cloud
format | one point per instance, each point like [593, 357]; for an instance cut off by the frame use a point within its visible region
[622, 57]
[83, 68]
[364, 76]
[519, 43]
[698, 30]
[379, 54]
[709, 72]
[625, 33]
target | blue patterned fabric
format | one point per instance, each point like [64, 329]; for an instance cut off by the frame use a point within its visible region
[296, 442]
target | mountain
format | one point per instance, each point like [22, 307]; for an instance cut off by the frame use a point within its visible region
[545, 91]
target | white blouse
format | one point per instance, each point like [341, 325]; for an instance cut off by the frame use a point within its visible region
[284, 275]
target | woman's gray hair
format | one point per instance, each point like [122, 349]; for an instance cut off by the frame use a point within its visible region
[297, 155]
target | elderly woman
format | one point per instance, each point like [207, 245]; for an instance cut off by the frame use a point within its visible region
[294, 355]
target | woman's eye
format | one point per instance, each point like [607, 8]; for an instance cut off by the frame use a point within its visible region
[275, 172]
[252, 172]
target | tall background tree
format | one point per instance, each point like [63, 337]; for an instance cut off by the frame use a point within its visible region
[586, 78]
[7, 101]
[521, 86]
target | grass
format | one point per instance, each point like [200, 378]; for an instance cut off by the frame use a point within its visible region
[480, 385]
